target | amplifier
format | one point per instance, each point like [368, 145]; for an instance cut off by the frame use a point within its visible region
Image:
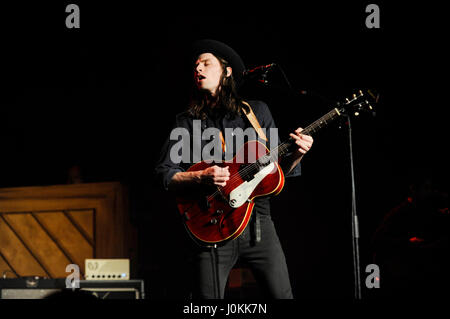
[107, 269]
[117, 289]
[40, 288]
[30, 287]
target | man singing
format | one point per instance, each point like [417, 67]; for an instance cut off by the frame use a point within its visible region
[218, 70]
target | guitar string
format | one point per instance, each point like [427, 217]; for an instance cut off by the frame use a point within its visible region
[250, 167]
[238, 174]
[284, 147]
[331, 116]
[309, 129]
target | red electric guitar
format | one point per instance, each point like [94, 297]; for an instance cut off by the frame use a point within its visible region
[214, 215]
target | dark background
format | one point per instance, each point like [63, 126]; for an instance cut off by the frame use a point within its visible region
[104, 97]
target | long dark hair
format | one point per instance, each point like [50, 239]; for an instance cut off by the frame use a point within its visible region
[227, 101]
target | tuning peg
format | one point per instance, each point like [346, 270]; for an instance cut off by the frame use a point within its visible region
[360, 93]
[356, 113]
[368, 105]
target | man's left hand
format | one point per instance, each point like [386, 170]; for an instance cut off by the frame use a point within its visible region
[304, 142]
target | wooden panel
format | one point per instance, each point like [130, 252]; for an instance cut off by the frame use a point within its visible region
[17, 254]
[5, 269]
[85, 221]
[44, 249]
[36, 204]
[67, 236]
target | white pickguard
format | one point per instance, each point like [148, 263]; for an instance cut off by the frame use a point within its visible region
[240, 194]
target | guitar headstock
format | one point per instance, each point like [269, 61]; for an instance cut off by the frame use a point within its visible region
[359, 102]
[362, 101]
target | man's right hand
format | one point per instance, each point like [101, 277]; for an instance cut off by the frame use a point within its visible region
[215, 175]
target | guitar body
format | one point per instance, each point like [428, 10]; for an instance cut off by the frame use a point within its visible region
[214, 215]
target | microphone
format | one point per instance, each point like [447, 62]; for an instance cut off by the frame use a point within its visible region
[258, 70]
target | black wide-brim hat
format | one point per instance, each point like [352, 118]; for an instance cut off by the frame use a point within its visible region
[223, 51]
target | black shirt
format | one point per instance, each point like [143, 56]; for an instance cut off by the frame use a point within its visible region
[186, 124]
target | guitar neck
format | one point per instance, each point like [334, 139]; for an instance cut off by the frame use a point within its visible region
[313, 128]
[322, 122]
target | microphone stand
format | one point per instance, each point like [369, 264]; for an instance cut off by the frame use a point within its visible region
[355, 225]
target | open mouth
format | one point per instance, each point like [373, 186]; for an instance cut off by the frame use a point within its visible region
[200, 77]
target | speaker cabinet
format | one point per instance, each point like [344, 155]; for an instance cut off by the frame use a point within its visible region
[39, 288]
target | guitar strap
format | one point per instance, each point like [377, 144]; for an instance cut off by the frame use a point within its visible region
[254, 122]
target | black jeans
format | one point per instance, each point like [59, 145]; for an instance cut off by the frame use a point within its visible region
[265, 258]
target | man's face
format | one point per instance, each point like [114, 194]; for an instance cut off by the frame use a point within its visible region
[208, 72]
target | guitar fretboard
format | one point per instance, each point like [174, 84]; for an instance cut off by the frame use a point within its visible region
[314, 127]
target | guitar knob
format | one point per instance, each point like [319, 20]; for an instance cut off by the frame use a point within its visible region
[213, 221]
[219, 212]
